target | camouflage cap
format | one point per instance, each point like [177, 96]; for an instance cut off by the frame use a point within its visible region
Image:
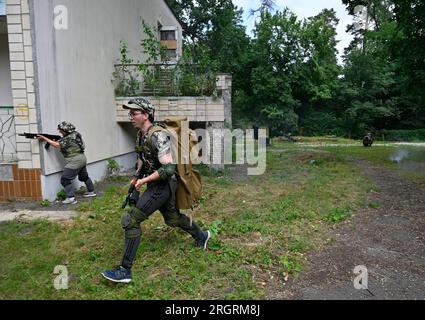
[140, 104]
[66, 126]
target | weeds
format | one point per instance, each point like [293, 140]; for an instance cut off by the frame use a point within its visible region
[270, 222]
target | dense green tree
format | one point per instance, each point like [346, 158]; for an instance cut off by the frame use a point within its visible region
[383, 83]
[287, 75]
[409, 50]
[214, 32]
[319, 72]
[277, 41]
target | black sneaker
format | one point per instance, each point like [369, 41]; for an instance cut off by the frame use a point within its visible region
[203, 243]
[119, 275]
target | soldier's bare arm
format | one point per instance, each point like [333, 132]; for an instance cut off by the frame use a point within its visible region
[165, 158]
[54, 144]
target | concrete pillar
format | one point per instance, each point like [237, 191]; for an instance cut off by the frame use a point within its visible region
[224, 87]
[22, 77]
[215, 131]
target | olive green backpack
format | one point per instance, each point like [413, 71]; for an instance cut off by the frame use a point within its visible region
[189, 188]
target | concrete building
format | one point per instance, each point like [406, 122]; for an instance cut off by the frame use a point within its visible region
[57, 58]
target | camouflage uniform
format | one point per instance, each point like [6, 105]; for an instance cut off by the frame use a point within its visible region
[150, 158]
[159, 195]
[72, 148]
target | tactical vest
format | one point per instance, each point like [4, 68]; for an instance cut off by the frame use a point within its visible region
[147, 153]
[72, 145]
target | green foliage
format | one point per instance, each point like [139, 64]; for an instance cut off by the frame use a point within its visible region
[287, 77]
[113, 166]
[291, 264]
[380, 88]
[280, 120]
[337, 215]
[320, 124]
[198, 79]
[45, 203]
[267, 225]
[195, 74]
[61, 195]
[125, 79]
[215, 228]
[402, 135]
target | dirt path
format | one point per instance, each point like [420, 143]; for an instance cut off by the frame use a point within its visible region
[389, 241]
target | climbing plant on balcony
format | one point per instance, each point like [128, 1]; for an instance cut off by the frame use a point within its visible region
[125, 79]
[183, 78]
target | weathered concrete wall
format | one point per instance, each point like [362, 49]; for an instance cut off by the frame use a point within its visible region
[224, 86]
[196, 109]
[74, 68]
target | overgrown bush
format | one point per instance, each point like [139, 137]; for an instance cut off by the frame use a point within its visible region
[320, 124]
[402, 135]
[193, 75]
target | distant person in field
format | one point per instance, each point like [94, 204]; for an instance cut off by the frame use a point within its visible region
[368, 140]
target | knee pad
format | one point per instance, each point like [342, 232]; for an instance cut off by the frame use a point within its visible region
[83, 179]
[131, 227]
[83, 176]
[174, 223]
[65, 182]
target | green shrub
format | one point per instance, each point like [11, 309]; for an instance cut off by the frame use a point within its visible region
[61, 195]
[402, 135]
[113, 166]
[45, 203]
[320, 124]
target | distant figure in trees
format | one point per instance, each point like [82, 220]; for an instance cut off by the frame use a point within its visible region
[368, 140]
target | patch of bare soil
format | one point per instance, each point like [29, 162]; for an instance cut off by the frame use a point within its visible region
[389, 241]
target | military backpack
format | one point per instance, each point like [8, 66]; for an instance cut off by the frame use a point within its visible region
[183, 142]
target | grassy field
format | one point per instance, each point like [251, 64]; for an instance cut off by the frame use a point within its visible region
[262, 228]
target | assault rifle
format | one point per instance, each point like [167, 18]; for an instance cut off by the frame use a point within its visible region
[128, 198]
[48, 136]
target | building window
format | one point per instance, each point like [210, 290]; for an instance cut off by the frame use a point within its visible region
[168, 36]
[171, 54]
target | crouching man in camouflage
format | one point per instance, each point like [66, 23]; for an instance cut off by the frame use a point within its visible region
[155, 162]
[72, 148]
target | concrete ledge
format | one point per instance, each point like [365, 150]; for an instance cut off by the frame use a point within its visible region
[196, 109]
[28, 215]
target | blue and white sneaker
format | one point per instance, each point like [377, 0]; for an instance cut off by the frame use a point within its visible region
[204, 242]
[118, 275]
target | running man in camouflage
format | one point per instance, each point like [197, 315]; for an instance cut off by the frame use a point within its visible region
[157, 171]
